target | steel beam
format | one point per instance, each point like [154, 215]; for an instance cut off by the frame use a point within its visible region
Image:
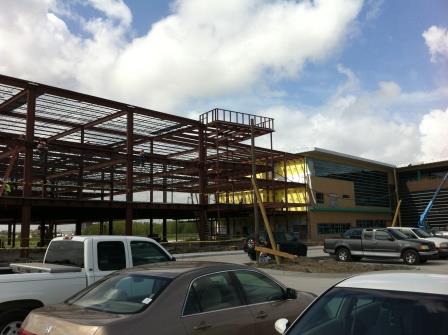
[93, 167]
[14, 102]
[87, 125]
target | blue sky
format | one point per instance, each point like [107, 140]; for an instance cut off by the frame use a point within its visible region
[329, 71]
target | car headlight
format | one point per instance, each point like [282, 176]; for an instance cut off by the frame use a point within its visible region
[424, 247]
[443, 245]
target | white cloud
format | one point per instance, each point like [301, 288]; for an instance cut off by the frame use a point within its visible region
[365, 123]
[436, 39]
[434, 134]
[203, 49]
[116, 9]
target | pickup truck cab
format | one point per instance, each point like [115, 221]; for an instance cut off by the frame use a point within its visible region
[417, 233]
[357, 243]
[70, 265]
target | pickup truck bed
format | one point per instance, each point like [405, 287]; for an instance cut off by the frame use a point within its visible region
[39, 267]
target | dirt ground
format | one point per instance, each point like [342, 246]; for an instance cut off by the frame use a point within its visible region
[329, 265]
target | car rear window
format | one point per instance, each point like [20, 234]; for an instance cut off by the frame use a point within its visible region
[66, 252]
[121, 294]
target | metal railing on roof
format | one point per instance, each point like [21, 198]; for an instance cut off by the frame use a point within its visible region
[225, 115]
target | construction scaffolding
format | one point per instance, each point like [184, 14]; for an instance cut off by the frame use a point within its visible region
[67, 157]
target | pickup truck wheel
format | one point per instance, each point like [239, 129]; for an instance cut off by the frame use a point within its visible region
[343, 255]
[411, 257]
[11, 322]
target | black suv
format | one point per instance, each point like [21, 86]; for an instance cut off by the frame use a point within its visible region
[286, 241]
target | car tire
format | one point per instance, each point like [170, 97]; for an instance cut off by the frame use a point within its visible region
[411, 257]
[10, 322]
[343, 255]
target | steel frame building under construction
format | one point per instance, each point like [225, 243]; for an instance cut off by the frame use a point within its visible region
[67, 157]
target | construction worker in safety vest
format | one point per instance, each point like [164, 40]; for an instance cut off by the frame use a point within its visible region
[7, 187]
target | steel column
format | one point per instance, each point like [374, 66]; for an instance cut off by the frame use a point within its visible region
[202, 223]
[254, 175]
[129, 171]
[28, 167]
[9, 234]
[164, 230]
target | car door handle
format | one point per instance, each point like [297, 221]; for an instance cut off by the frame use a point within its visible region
[202, 326]
[261, 315]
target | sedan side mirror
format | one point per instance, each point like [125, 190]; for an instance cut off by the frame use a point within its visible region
[281, 325]
[390, 238]
[290, 293]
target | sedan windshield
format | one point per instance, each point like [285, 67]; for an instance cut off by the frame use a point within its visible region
[347, 311]
[122, 294]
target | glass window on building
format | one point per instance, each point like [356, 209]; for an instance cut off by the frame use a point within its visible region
[319, 197]
[371, 186]
[332, 228]
[371, 223]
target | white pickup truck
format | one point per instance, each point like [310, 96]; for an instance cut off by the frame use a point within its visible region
[70, 264]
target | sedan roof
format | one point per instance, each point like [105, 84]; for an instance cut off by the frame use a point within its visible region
[177, 268]
[398, 281]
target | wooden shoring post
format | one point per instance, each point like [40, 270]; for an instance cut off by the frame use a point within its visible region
[397, 210]
[276, 253]
[397, 195]
[28, 167]
[202, 172]
[129, 170]
[265, 219]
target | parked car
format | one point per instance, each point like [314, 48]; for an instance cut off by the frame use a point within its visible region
[70, 264]
[173, 298]
[357, 243]
[417, 233]
[440, 233]
[374, 304]
[286, 241]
